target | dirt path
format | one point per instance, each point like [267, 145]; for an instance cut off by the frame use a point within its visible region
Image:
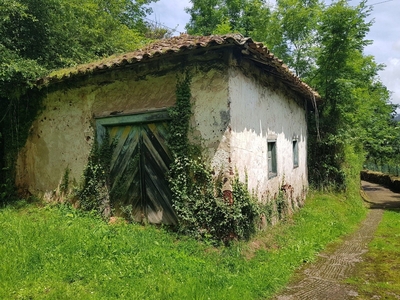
[323, 279]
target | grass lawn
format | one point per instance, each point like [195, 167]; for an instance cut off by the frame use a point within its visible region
[56, 252]
[379, 273]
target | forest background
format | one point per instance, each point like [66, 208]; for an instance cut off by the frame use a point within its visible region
[323, 44]
[383, 33]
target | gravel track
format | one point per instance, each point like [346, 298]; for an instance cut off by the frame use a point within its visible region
[323, 279]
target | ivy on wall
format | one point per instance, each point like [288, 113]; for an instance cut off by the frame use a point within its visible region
[197, 197]
[95, 191]
[204, 211]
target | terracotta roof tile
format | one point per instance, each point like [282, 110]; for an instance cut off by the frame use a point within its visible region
[186, 42]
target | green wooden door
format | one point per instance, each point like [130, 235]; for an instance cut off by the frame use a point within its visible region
[139, 165]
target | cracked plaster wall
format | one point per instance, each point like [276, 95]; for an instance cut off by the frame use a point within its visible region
[233, 116]
[266, 113]
[63, 133]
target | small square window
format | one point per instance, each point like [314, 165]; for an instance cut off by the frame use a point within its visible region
[272, 169]
[295, 154]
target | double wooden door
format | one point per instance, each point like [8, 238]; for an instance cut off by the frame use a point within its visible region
[139, 166]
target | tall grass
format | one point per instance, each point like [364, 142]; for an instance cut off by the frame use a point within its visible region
[60, 253]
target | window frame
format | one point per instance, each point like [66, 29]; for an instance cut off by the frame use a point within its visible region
[272, 158]
[295, 152]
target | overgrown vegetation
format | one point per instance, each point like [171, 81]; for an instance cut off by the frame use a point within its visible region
[15, 121]
[38, 36]
[56, 252]
[377, 276]
[65, 182]
[322, 43]
[306, 34]
[204, 210]
[197, 197]
[95, 191]
[347, 90]
[59, 252]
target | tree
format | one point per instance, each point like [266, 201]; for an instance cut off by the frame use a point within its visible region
[354, 99]
[205, 16]
[223, 16]
[379, 131]
[37, 36]
[294, 33]
[324, 45]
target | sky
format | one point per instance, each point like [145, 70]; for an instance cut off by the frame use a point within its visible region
[385, 34]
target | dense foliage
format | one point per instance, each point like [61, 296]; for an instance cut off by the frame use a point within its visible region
[37, 36]
[321, 43]
[203, 210]
[223, 16]
[353, 95]
[95, 191]
[324, 45]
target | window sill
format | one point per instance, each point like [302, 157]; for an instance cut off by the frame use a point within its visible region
[272, 175]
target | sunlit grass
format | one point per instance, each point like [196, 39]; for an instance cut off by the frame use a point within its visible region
[379, 273]
[60, 253]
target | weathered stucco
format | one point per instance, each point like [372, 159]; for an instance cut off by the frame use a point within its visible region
[236, 106]
[260, 113]
[63, 133]
[211, 118]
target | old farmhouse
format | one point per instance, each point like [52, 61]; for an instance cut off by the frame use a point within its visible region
[249, 116]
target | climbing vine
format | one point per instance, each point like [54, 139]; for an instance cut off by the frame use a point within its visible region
[197, 197]
[65, 182]
[94, 193]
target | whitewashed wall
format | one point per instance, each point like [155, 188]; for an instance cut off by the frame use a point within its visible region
[259, 112]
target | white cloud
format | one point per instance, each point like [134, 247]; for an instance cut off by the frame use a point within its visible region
[385, 30]
[171, 14]
[386, 44]
[391, 78]
[396, 46]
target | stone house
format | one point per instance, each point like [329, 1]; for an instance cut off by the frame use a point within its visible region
[249, 115]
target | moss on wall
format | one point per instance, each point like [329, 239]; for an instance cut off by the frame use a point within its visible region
[63, 133]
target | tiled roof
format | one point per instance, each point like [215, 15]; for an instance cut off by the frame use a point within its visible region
[186, 43]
